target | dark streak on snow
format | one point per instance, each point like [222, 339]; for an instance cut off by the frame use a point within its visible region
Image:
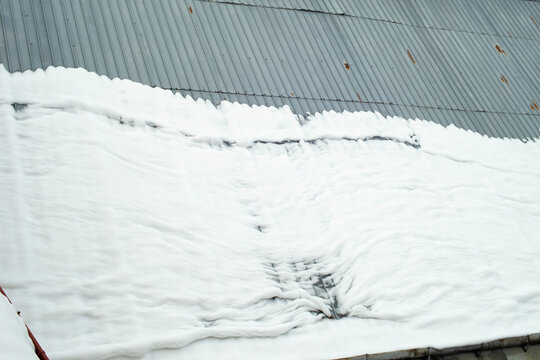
[413, 143]
[130, 123]
[19, 106]
[310, 276]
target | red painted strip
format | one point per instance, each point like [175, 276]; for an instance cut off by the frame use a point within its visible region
[3, 293]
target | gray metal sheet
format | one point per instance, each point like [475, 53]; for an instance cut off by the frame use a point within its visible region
[310, 55]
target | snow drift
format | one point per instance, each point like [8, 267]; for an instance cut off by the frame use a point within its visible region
[138, 223]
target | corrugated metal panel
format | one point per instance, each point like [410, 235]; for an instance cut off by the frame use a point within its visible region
[520, 347]
[472, 63]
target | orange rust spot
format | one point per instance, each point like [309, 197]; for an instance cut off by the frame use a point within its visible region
[535, 23]
[504, 79]
[347, 66]
[532, 107]
[190, 10]
[535, 106]
[410, 55]
[292, 94]
[358, 96]
[500, 50]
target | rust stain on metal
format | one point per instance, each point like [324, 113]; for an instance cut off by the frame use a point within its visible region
[347, 66]
[292, 94]
[534, 106]
[358, 96]
[504, 79]
[410, 55]
[535, 23]
[500, 49]
[190, 10]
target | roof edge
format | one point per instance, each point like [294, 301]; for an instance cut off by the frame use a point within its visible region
[522, 342]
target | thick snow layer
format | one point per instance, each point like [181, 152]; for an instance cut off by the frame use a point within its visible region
[14, 340]
[138, 223]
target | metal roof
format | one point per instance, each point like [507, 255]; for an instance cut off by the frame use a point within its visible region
[511, 348]
[472, 63]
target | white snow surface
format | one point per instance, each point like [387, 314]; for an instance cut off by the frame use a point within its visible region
[136, 223]
[15, 343]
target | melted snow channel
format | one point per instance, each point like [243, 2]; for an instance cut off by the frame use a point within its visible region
[134, 221]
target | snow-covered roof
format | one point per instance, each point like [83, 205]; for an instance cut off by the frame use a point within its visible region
[138, 223]
[16, 341]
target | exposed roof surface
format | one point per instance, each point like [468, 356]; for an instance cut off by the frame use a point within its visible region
[522, 347]
[470, 63]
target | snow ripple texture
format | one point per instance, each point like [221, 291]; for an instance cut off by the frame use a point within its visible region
[138, 223]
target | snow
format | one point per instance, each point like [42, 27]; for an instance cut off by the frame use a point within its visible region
[15, 343]
[140, 224]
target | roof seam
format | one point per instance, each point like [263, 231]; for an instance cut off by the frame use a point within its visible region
[223, 92]
[225, 2]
